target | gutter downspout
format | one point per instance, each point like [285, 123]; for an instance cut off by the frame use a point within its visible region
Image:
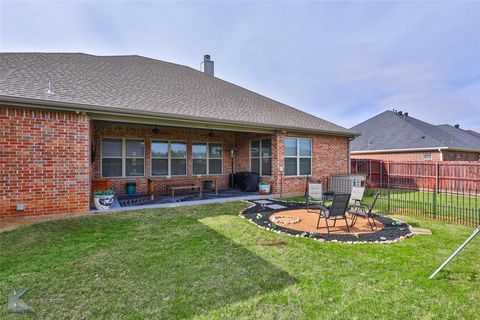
[441, 154]
[348, 155]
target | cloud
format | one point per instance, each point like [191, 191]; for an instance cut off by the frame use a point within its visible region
[344, 61]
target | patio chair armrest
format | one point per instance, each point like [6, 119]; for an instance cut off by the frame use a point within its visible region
[361, 205]
[324, 208]
[358, 208]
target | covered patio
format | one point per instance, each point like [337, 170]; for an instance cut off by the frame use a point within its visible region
[168, 162]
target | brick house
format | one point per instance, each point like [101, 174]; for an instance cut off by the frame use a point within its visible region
[69, 119]
[396, 136]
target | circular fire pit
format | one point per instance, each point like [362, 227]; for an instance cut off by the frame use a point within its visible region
[283, 219]
[294, 219]
[305, 221]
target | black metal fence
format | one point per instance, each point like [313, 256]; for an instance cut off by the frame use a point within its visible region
[457, 205]
[454, 205]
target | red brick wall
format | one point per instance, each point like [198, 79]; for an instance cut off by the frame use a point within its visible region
[398, 156]
[460, 156]
[44, 161]
[329, 156]
[45, 158]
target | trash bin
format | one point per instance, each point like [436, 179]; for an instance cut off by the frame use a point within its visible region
[246, 181]
[131, 187]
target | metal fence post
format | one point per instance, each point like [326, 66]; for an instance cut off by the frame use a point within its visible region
[435, 203]
[381, 173]
[370, 170]
[388, 187]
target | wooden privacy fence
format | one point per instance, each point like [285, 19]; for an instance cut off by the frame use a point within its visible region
[444, 176]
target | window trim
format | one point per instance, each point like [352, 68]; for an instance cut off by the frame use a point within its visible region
[208, 158]
[298, 157]
[260, 157]
[123, 157]
[427, 155]
[169, 158]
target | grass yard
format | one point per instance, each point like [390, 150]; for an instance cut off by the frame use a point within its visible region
[206, 262]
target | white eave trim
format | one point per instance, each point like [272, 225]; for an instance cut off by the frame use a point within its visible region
[414, 149]
[105, 113]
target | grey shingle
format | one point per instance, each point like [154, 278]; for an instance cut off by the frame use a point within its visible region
[390, 130]
[148, 85]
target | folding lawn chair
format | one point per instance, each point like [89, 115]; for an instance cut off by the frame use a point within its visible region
[336, 211]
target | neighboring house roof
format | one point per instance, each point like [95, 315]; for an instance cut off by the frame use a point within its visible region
[146, 86]
[395, 131]
[473, 133]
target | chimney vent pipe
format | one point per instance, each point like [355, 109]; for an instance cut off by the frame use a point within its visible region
[207, 65]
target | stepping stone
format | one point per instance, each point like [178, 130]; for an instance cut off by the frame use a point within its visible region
[276, 206]
[420, 231]
[263, 201]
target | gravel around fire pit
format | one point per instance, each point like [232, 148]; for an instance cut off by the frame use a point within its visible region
[259, 214]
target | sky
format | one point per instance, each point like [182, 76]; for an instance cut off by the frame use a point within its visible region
[342, 61]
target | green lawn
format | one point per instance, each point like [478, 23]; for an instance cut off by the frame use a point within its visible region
[206, 262]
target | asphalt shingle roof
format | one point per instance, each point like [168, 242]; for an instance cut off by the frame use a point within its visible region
[390, 130]
[146, 85]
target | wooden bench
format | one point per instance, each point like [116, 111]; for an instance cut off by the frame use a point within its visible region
[151, 185]
[173, 188]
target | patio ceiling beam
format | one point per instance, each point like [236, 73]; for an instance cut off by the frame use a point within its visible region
[177, 123]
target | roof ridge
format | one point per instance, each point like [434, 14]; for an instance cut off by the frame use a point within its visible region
[250, 91]
[375, 116]
[426, 133]
[136, 82]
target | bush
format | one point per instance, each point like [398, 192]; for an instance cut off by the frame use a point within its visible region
[104, 192]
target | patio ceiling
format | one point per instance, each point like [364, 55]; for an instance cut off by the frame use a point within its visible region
[175, 123]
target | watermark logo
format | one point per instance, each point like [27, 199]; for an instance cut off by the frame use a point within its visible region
[15, 305]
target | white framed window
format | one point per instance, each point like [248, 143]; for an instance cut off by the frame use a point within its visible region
[298, 156]
[427, 157]
[123, 157]
[261, 157]
[112, 158]
[207, 158]
[169, 158]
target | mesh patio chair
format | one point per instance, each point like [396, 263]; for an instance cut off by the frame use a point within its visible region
[336, 211]
[356, 196]
[314, 196]
[364, 211]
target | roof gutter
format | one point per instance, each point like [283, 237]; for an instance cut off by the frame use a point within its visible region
[415, 149]
[101, 110]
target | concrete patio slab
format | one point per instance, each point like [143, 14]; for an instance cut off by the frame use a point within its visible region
[276, 206]
[8, 224]
[263, 202]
